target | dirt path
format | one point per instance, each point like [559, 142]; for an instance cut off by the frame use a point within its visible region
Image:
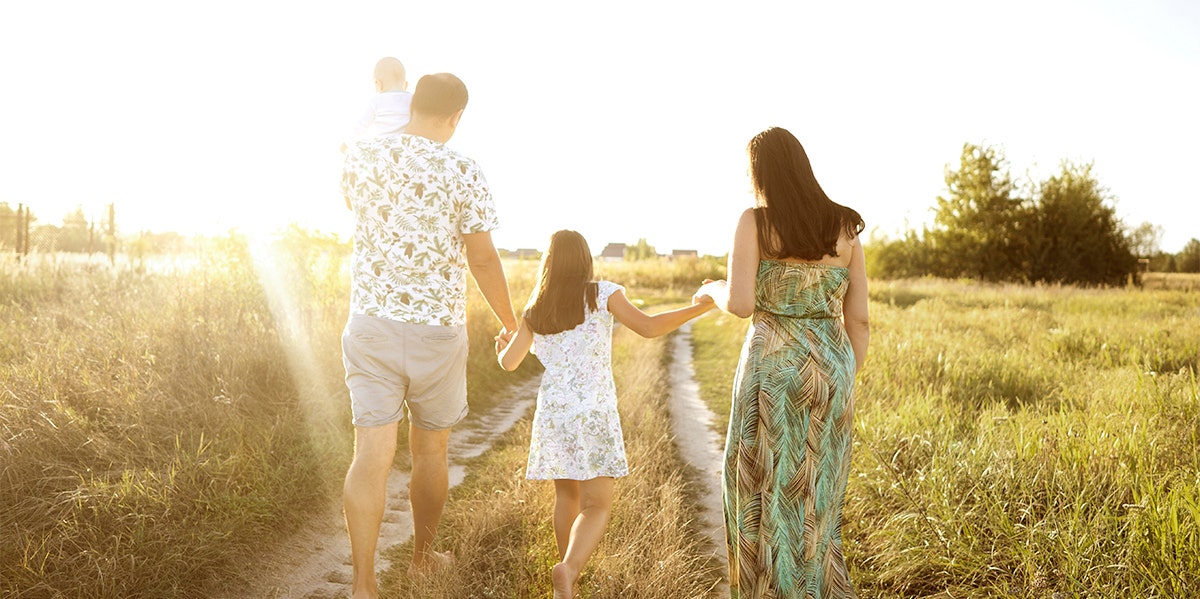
[698, 443]
[315, 563]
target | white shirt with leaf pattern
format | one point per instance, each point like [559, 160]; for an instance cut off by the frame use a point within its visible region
[413, 199]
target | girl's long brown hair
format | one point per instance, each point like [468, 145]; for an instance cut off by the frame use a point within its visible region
[795, 218]
[564, 286]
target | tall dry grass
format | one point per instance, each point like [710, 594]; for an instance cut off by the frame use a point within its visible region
[498, 524]
[664, 280]
[150, 428]
[158, 425]
[1177, 281]
[1018, 442]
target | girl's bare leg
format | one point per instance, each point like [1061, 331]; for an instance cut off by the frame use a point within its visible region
[595, 506]
[566, 509]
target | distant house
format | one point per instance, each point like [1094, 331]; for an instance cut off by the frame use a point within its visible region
[613, 252]
[676, 254]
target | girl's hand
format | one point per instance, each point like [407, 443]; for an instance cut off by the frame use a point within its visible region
[705, 294]
[502, 340]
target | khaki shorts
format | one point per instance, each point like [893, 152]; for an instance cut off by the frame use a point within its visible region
[392, 366]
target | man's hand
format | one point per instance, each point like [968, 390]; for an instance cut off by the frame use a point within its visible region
[503, 338]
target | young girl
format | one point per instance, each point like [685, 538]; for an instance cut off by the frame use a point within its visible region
[576, 438]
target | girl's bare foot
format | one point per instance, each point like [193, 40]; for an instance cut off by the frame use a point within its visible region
[564, 582]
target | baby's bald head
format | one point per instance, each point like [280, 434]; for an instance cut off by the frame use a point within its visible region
[389, 75]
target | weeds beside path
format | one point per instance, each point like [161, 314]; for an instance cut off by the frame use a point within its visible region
[315, 562]
[498, 525]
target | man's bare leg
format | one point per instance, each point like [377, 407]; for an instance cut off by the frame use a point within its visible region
[364, 497]
[427, 491]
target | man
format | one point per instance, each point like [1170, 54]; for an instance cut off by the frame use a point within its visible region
[423, 215]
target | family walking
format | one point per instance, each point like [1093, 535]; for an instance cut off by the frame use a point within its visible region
[423, 216]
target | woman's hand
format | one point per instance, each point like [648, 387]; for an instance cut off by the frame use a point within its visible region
[704, 295]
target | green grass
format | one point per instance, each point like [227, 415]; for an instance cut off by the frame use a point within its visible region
[1017, 442]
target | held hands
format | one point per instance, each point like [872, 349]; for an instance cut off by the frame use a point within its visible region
[503, 338]
[704, 295]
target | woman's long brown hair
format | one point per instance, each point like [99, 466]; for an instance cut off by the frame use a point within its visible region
[795, 218]
[564, 286]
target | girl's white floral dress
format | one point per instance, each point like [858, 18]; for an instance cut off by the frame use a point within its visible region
[576, 429]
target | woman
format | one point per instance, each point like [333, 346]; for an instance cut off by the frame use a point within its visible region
[797, 268]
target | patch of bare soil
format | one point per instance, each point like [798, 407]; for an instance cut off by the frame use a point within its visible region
[700, 446]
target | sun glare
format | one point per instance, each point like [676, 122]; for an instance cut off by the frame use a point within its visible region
[294, 317]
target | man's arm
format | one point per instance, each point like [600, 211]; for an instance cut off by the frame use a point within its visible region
[484, 262]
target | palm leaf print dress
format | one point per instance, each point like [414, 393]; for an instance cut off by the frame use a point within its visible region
[787, 454]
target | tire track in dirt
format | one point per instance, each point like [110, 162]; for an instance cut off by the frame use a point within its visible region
[700, 446]
[315, 562]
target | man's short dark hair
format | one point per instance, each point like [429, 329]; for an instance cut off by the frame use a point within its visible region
[439, 94]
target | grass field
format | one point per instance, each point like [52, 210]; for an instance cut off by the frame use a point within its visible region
[157, 425]
[1017, 442]
[1171, 281]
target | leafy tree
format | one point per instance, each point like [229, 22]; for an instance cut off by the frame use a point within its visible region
[909, 256]
[1162, 262]
[978, 224]
[1189, 258]
[640, 251]
[75, 233]
[1076, 237]
[8, 226]
[1145, 239]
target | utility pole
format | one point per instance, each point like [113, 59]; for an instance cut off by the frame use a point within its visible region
[112, 234]
[22, 231]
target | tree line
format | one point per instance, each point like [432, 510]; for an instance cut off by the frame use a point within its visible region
[78, 233]
[21, 230]
[1063, 229]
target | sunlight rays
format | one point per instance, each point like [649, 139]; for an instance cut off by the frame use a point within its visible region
[294, 318]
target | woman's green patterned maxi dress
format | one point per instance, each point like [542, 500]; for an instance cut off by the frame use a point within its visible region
[787, 454]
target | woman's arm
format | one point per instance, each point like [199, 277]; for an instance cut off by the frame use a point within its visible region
[737, 295]
[511, 354]
[854, 307]
[654, 325]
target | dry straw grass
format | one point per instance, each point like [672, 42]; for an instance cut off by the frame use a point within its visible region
[498, 525]
[159, 425]
[149, 428]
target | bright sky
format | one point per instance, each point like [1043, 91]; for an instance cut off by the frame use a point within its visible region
[622, 119]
